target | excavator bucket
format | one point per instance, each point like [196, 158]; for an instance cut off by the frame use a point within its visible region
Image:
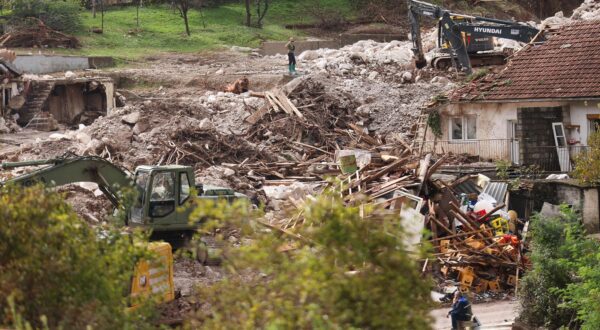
[420, 62]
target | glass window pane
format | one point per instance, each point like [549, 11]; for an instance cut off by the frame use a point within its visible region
[561, 142]
[163, 187]
[471, 128]
[184, 192]
[558, 130]
[141, 182]
[456, 129]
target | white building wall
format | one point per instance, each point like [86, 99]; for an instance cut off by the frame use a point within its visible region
[579, 112]
[492, 129]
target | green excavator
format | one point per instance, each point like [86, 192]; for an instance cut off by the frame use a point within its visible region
[164, 193]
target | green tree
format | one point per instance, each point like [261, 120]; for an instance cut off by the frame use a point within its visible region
[261, 7]
[58, 15]
[563, 288]
[184, 7]
[337, 270]
[55, 266]
[587, 164]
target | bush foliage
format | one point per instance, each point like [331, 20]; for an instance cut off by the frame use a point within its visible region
[56, 267]
[563, 288]
[587, 165]
[58, 15]
[336, 271]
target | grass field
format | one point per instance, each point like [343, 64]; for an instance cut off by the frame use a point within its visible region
[161, 29]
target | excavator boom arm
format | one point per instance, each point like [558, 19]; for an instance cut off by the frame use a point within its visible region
[109, 177]
[453, 30]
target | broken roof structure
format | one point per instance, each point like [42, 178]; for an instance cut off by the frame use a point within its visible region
[567, 66]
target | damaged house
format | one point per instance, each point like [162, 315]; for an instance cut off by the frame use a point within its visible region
[43, 103]
[66, 101]
[9, 86]
[540, 110]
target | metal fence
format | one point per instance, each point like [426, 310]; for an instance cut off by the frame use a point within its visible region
[484, 150]
[547, 158]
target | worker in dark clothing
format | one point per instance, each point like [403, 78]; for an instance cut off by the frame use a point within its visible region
[461, 310]
[291, 55]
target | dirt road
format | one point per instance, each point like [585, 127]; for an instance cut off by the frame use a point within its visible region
[494, 315]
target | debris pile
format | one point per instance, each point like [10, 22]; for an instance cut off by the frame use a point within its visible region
[588, 11]
[34, 33]
[478, 244]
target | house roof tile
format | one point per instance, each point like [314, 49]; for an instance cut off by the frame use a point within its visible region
[565, 66]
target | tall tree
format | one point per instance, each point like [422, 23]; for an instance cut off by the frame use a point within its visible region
[248, 12]
[184, 6]
[262, 6]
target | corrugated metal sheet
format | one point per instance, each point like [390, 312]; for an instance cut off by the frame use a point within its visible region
[467, 187]
[497, 190]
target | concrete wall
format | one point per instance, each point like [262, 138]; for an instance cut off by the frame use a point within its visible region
[66, 102]
[583, 199]
[579, 112]
[42, 64]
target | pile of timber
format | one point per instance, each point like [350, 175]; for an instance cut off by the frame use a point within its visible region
[470, 252]
[34, 33]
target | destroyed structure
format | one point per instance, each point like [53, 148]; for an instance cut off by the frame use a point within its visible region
[540, 110]
[348, 117]
[43, 102]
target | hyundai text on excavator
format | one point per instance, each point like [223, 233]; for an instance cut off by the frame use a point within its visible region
[464, 40]
[164, 193]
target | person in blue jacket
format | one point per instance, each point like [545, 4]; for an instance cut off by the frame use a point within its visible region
[461, 310]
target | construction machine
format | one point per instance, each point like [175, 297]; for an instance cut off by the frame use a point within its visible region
[164, 194]
[464, 40]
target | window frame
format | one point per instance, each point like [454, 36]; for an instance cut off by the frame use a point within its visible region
[464, 128]
[181, 175]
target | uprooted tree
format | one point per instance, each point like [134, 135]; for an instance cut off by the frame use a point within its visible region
[335, 271]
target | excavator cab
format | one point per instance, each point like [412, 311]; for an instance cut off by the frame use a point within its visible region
[163, 194]
[161, 191]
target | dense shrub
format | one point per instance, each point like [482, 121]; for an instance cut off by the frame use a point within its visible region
[587, 164]
[336, 271]
[563, 288]
[54, 265]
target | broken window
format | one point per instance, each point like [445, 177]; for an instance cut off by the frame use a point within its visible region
[594, 125]
[456, 129]
[463, 128]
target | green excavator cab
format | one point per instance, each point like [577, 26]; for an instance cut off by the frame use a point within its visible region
[164, 193]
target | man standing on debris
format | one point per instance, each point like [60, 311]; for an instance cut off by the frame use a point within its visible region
[461, 310]
[291, 55]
